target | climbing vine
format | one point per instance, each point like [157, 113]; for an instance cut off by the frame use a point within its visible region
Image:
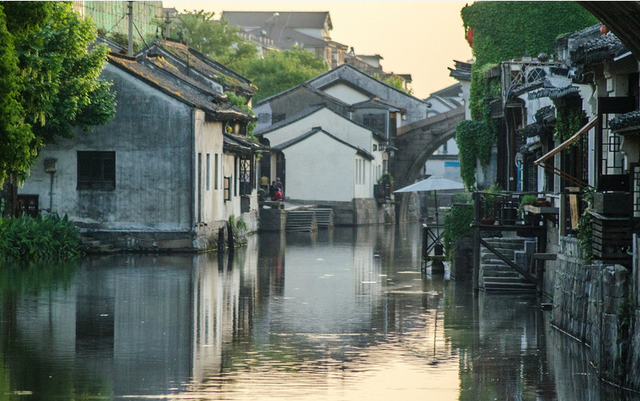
[457, 224]
[474, 140]
[568, 122]
[502, 30]
[498, 31]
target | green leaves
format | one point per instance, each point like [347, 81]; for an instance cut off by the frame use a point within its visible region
[48, 79]
[474, 140]
[28, 239]
[503, 30]
[280, 71]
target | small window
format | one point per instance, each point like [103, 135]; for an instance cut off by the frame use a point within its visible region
[97, 170]
[208, 173]
[277, 117]
[216, 174]
[227, 189]
[376, 122]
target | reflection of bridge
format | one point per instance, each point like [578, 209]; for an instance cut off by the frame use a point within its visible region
[416, 142]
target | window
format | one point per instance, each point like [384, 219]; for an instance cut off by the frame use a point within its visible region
[216, 174]
[208, 173]
[245, 176]
[375, 121]
[277, 117]
[227, 189]
[97, 170]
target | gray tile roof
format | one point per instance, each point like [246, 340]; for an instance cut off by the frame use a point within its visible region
[290, 19]
[316, 130]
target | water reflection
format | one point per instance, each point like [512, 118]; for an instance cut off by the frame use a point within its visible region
[343, 314]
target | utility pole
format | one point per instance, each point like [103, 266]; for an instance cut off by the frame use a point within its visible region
[130, 48]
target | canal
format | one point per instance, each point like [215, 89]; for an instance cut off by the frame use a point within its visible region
[344, 314]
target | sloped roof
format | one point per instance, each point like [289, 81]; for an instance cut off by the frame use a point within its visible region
[189, 59]
[307, 112]
[603, 48]
[626, 121]
[181, 91]
[290, 19]
[339, 78]
[316, 130]
[286, 38]
[462, 71]
[240, 144]
[377, 103]
[307, 87]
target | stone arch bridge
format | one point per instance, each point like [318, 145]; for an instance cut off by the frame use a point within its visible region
[415, 143]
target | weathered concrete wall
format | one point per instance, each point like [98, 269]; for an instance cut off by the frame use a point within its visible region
[590, 304]
[368, 211]
[153, 189]
[273, 220]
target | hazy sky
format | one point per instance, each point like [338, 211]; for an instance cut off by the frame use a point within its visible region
[421, 38]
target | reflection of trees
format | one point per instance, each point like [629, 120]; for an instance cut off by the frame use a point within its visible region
[500, 356]
[31, 350]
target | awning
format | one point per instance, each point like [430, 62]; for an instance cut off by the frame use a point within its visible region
[541, 161]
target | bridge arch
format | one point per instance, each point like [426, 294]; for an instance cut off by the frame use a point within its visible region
[417, 142]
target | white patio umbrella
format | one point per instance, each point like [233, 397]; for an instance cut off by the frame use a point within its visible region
[432, 184]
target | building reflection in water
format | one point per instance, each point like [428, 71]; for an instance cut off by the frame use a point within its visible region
[344, 310]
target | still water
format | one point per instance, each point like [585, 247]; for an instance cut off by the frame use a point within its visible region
[344, 314]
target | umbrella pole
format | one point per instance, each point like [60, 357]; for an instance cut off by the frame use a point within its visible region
[435, 195]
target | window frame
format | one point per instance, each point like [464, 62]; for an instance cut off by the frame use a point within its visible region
[87, 164]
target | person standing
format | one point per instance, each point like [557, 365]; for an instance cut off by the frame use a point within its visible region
[279, 185]
[264, 182]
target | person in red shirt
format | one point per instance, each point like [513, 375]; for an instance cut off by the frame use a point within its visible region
[278, 195]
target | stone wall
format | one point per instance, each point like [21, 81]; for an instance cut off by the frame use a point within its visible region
[368, 211]
[591, 304]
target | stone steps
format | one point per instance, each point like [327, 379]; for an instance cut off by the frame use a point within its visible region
[324, 217]
[497, 275]
[301, 221]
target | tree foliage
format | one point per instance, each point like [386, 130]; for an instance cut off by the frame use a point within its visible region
[215, 38]
[279, 71]
[395, 81]
[503, 30]
[48, 79]
[500, 31]
[276, 72]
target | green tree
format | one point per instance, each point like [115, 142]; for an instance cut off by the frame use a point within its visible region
[280, 71]
[49, 79]
[215, 38]
[395, 81]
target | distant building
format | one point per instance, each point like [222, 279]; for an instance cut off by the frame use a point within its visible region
[445, 162]
[112, 15]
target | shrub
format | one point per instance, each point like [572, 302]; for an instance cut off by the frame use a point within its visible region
[28, 239]
[457, 224]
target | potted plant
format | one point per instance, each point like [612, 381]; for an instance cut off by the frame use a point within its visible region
[526, 200]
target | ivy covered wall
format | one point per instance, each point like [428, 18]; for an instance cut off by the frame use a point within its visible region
[503, 30]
